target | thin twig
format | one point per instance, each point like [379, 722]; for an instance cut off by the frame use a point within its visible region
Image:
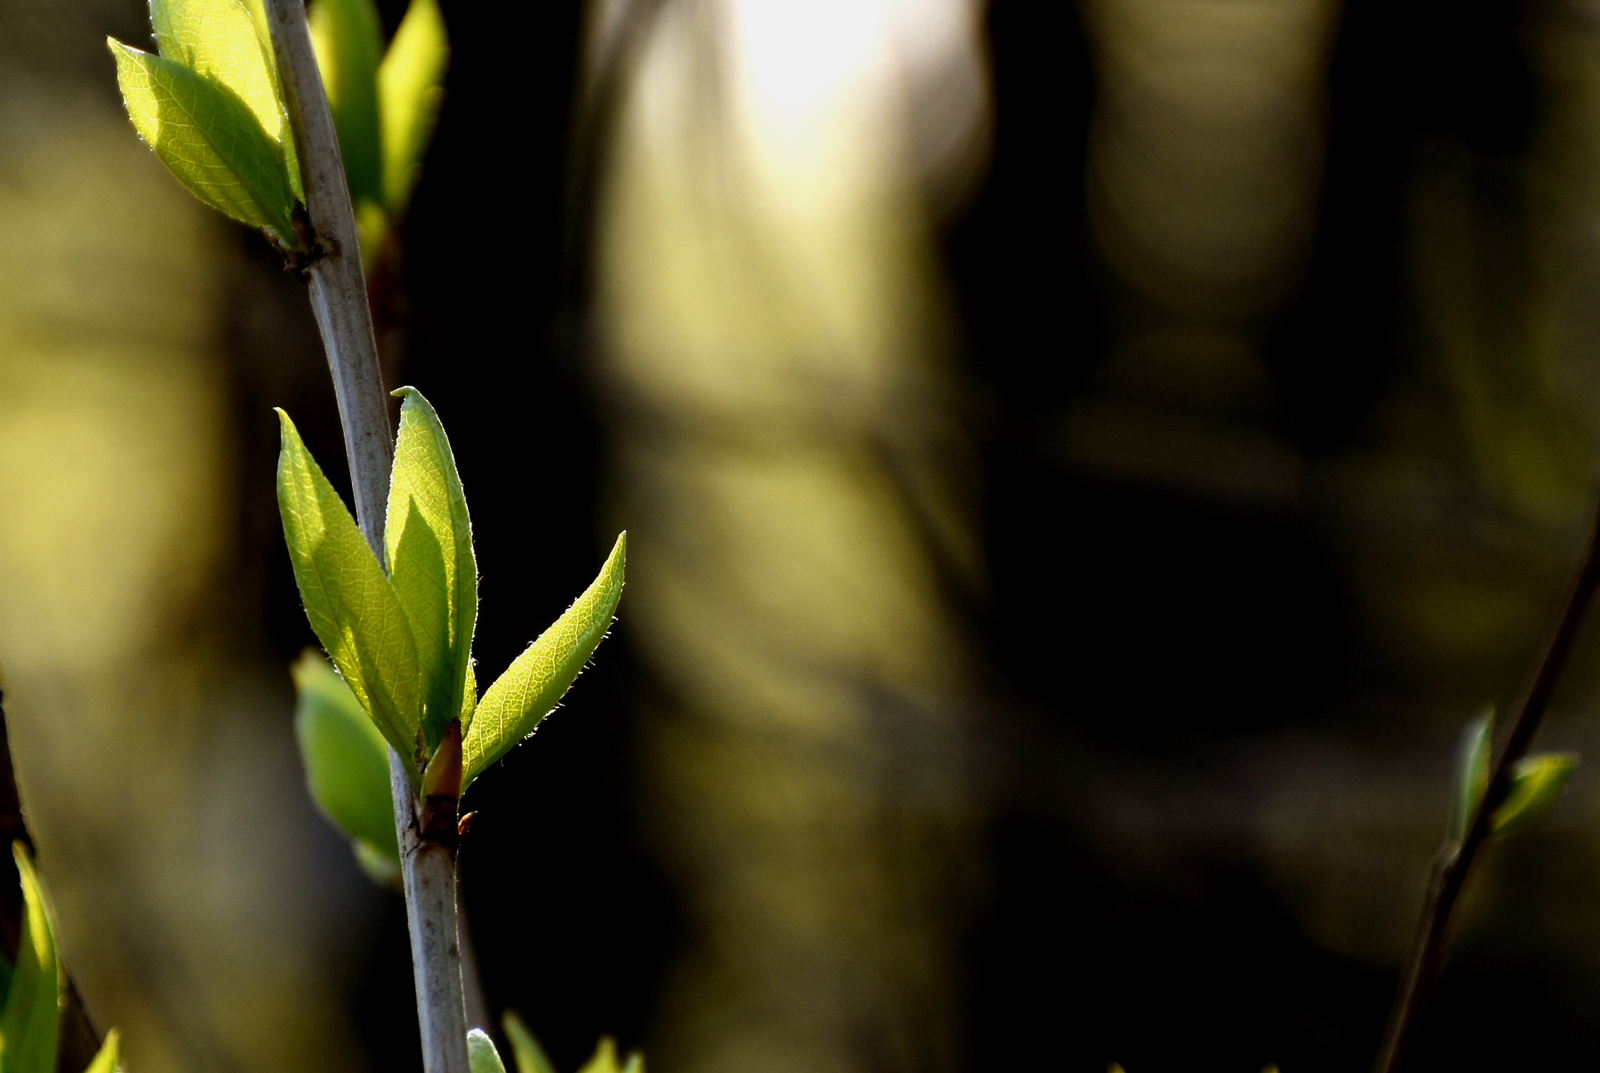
[339, 301]
[1455, 863]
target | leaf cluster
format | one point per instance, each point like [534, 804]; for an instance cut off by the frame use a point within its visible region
[400, 631]
[210, 103]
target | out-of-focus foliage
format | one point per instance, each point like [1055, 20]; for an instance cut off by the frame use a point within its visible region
[530, 1056]
[410, 93]
[36, 988]
[525, 1048]
[197, 897]
[384, 108]
[1536, 782]
[349, 45]
[1472, 770]
[347, 765]
[30, 1028]
[782, 421]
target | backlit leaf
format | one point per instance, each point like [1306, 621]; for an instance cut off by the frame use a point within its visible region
[348, 39]
[1536, 782]
[481, 1055]
[346, 759]
[208, 138]
[109, 1055]
[352, 609]
[525, 1049]
[514, 705]
[217, 39]
[428, 539]
[410, 91]
[258, 16]
[31, 1025]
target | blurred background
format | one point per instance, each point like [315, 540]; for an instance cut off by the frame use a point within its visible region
[1084, 464]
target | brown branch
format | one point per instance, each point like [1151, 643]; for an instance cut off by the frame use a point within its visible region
[1454, 866]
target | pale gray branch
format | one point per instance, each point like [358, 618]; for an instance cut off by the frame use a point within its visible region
[339, 301]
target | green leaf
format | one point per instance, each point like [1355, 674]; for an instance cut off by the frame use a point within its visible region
[1536, 782]
[522, 696]
[31, 1025]
[604, 1059]
[1472, 770]
[217, 40]
[410, 91]
[258, 16]
[346, 759]
[481, 1055]
[428, 540]
[348, 39]
[208, 138]
[525, 1049]
[348, 600]
[109, 1056]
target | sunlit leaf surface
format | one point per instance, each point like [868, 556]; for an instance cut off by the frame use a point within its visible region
[352, 608]
[207, 137]
[428, 539]
[514, 705]
[217, 39]
[481, 1053]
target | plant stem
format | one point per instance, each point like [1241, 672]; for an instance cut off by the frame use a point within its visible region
[339, 301]
[1455, 862]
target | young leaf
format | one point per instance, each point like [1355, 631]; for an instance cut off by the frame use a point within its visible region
[217, 40]
[348, 39]
[208, 138]
[512, 708]
[428, 540]
[410, 92]
[109, 1056]
[481, 1053]
[525, 1049]
[346, 759]
[1536, 782]
[1472, 770]
[31, 1025]
[347, 598]
[291, 159]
